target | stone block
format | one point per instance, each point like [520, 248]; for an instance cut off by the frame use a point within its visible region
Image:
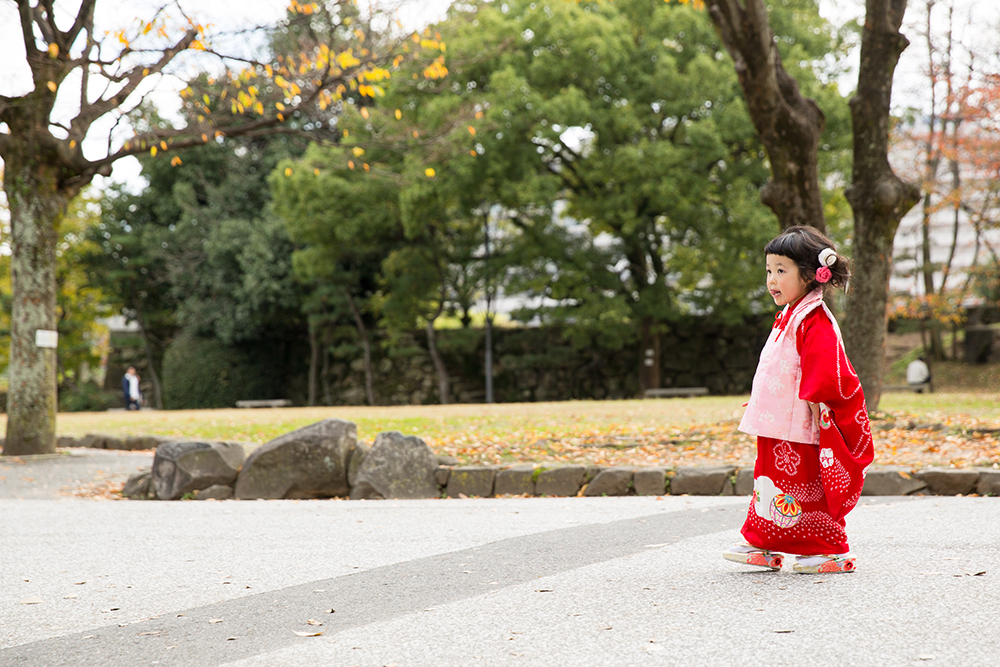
[744, 482]
[215, 492]
[445, 460]
[702, 481]
[100, 441]
[891, 481]
[441, 475]
[615, 481]
[989, 482]
[311, 462]
[138, 486]
[361, 450]
[650, 481]
[471, 481]
[65, 441]
[561, 481]
[949, 481]
[183, 467]
[397, 466]
[516, 480]
[143, 442]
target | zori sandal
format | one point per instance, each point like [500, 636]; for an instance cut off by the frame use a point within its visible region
[829, 563]
[750, 555]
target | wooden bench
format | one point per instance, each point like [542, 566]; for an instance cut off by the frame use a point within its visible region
[675, 392]
[276, 403]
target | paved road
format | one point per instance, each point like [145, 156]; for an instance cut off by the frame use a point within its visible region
[526, 581]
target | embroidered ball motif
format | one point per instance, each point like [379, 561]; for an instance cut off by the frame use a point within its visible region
[826, 457]
[785, 510]
[824, 419]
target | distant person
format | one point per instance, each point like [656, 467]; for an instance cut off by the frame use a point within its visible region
[130, 390]
[919, 375]
[808, 412]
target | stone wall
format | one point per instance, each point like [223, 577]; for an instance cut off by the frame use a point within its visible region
[542, 364]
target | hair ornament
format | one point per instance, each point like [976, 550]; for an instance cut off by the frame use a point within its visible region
[823, 274]
[827, 257]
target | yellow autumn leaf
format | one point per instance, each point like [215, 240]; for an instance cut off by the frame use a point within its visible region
[364, 113]
[350, 164]
[316, 171]
[163, 145]
[53, 50]
[175, 161]
[473, 153]
[52, 86]
[72, 144]
[152, 151]
[399, 114]
[472, 130]
[204, 137]
[429, 172]
[288, 171]
[279, 106]
[367, 168]
[358, 151]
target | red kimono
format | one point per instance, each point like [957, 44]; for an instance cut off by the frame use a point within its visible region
[812, 487]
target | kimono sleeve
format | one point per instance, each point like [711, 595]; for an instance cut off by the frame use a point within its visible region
[827, 375]
[845, 440]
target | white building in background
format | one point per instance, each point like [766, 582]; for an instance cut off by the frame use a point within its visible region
[907, 275]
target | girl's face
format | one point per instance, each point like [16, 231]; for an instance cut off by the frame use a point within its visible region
[784, 280]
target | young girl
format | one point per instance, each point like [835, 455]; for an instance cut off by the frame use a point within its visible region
[807, 409]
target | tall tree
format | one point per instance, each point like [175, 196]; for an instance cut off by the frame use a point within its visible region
[788, 123]
[103, 73]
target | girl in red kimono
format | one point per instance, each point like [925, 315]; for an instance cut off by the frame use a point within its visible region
[807, 409]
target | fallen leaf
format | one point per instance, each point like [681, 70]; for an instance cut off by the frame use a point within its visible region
[784, 632]
[71, 596]
[31, 601]
[543, 590]
[230, 639]
[215, 620]
[313, 622]
[308, 634]
[151, 632]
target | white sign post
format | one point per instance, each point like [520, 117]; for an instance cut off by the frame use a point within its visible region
[46, 338]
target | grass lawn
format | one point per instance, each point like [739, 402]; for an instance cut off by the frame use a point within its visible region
[959, 429]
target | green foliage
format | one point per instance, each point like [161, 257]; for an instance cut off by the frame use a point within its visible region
[88, 397]
[203, 373]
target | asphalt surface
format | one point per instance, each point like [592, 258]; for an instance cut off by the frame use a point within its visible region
[523, 581]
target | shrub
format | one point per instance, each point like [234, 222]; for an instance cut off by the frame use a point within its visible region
[203, 373]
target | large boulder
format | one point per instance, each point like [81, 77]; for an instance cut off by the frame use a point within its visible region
[182, 467]
[138, 486]
[311, 462]
[397, 466]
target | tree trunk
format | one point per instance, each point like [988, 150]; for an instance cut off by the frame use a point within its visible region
[150, 360]
[36, 206]
[324, 374]
[789, 124]
[649, 361]
[444, 385]
[878, 197]
[366, 345]
[313, 363]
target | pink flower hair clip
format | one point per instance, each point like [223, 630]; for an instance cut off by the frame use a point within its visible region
[827, 258]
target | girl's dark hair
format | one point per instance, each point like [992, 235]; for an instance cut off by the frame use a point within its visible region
[803, 245]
